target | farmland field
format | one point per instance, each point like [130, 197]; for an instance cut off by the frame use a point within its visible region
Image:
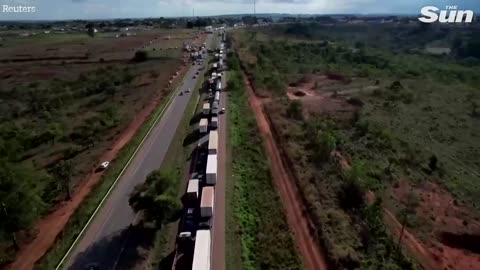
[65, 99]
[379, 134]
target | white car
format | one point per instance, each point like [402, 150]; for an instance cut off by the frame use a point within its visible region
[188, 90]
[222, 110]
[104, 165]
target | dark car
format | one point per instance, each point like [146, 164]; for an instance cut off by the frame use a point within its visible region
[92, 266]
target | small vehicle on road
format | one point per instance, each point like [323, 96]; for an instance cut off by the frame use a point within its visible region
[104, 165]
[92, 266]
[181, 93]
[185, 235]
[188, 90]
[222, 110]
[195, 76]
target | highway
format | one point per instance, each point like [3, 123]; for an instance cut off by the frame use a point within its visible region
[108, 241]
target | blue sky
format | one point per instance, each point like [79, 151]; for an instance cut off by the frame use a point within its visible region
[105, 9]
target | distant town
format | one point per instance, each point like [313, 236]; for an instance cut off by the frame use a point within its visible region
[126, 27]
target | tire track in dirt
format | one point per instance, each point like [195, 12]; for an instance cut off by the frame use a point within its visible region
[285, 185]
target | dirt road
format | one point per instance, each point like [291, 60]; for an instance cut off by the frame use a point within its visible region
[285, 185]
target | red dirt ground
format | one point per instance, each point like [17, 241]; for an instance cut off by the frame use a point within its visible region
[443, 214]
[315, 93]
[434, 255]
[52, 225]
[285, 185]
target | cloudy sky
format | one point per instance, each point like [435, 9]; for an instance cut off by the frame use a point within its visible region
[105, 9]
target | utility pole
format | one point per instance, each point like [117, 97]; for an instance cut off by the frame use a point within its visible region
[255, 8]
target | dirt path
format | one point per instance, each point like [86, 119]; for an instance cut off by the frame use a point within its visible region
[409, 241]
[285, 185]
[51, 226]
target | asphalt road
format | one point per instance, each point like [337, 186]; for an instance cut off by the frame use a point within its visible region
[108, 241]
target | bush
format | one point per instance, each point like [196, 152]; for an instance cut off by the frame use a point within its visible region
[295, 110]
[140, 56]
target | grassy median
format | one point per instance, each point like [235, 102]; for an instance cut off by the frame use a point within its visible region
[258, 236]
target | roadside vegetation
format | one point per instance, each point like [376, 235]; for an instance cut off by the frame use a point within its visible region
[355, 114]
[256, 223]
[58, 119]
[83, 213]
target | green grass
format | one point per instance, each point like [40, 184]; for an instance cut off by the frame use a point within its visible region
[86, 209]
[257, 221]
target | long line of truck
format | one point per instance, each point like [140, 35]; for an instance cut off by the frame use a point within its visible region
[199, 199]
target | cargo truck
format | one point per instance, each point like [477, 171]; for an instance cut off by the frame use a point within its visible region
[214, 122]
[192, 190]
[201, 253]
[211, 178]
[213, 142]
[215, 108]
[206, 204]
[206, 108]
[203, 125]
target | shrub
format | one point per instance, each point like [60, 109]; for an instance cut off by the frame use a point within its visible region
[140, 56]
[295, 110]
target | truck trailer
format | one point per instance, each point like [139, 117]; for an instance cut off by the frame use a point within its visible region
[213, 142]
[214, 122]
[201, 253]
[206, 108]
[203, 125]
[193, 189]
[206, 204]
[217, 96]
[215, 107]
[211, 169]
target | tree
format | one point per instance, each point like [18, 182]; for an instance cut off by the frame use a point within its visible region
[62, 172]
[90, 30]
[295, 110]
[475, 109]
[20, 197]
[190, 24]
[325, 143]
[140, 56]
[154, 199]
[351, 191]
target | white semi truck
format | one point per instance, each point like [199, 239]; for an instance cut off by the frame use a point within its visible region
[211, 178]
